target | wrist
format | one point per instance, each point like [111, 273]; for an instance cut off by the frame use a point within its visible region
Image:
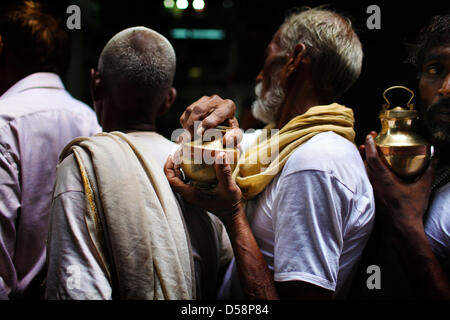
[409, 229]
[233, 215]
[404, 217]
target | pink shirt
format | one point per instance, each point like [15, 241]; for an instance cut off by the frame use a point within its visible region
[38, 117]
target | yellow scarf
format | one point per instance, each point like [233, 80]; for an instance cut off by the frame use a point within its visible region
[265, 159]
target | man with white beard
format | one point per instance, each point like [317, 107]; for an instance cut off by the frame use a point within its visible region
[310, 208]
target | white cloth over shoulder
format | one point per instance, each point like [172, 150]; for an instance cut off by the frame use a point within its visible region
[134, 218]
[75, 266]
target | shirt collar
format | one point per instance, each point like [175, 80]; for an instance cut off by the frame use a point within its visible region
[35, 80]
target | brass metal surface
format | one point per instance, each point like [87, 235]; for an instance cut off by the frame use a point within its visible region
[405, 151]
[197, 160]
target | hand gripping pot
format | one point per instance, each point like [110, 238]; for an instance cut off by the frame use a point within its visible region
[197, 157]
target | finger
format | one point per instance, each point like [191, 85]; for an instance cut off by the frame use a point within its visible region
[375, 163]
[362, 151]
[184, 137]
[172, 169]
[362, 148]
[373, 134]
[233, 137]
[176, 158]
[223, 170]
[198, 111]
[233, 123]
[188, 192]
[169, 168]
[223, 112]
[373, 158]
[192, 114]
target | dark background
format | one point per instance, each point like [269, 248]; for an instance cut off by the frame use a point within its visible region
[228, 67]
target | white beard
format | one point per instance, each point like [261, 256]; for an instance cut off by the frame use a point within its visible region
[266, 108]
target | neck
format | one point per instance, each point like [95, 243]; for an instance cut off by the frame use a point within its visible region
[298, 101]
[130, 128]
[140, 128]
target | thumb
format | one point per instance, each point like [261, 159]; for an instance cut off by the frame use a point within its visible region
[223, 170]
[427, 177]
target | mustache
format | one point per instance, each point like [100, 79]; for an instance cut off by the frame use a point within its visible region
[440, 106]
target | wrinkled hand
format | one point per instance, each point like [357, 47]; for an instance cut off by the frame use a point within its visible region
[224, 200]
[210, 112]
[402, 203]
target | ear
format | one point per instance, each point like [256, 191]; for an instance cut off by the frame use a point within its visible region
[96, 85]
[299, 57]
[168, 101]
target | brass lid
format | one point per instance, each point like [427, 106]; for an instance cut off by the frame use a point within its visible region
[398, 112]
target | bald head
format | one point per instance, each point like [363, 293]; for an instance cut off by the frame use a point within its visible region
[139, 55]
[136, 68]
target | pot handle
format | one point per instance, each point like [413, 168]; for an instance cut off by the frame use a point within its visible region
[388, 104]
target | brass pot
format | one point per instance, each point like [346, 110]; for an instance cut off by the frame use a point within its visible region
[405, 151]
[197, 158]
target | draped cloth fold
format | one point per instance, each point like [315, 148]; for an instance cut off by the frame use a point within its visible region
[134, 218]
[266, 158]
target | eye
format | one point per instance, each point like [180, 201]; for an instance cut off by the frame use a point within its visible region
[434, 69]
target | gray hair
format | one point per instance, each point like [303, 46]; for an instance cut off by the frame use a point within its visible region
[142, 56]
[334, 47]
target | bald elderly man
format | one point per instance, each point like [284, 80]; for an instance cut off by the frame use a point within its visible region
[117, 231]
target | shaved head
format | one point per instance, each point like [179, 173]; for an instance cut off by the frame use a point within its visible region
[137, 68]
[141, 56]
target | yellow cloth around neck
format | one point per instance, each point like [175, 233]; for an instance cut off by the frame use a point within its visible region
[257, 167]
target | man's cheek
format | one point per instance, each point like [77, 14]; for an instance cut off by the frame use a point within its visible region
[427, 93]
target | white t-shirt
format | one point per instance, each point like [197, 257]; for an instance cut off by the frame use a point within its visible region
[314, 219]
[437, 226]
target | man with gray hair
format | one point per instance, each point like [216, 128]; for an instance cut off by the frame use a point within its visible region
[311, 208]
[117, 231]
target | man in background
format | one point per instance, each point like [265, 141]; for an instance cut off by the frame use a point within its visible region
[417, 215]
[38, 117]
[117, 231]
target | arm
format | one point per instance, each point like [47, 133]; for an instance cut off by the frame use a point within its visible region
[225, 202]
[9, 208]
[402, 206]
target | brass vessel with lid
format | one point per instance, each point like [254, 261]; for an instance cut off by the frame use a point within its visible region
[405, 151]
[197, 157]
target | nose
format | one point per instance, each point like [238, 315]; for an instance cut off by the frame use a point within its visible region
[444, 91]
